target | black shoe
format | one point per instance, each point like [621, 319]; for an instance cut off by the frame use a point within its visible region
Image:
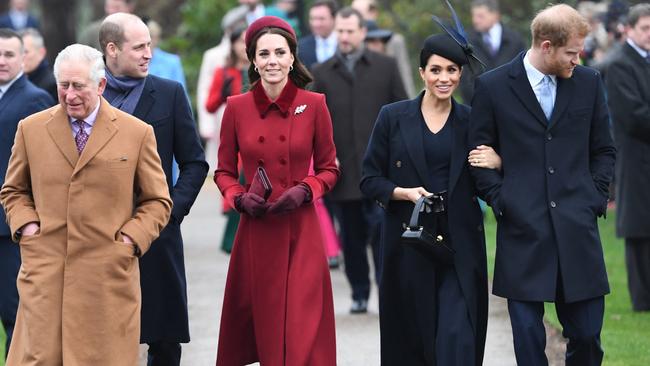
[359, 307]
[333, 262]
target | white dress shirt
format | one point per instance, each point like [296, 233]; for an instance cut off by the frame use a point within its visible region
[89, 122]
[535, 78]
[325, 47]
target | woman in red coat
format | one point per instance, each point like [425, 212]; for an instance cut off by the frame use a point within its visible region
[278, 307]
[231, 79]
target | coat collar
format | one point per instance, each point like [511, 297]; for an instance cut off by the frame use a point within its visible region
[633, 54]
[147, 99]
[12, 91]
[61, 133]
[412, 136]
[522, 89]
[283, 103]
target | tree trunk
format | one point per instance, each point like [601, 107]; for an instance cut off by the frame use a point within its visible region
[58, 23]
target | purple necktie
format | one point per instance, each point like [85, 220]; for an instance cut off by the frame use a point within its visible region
[82, 137]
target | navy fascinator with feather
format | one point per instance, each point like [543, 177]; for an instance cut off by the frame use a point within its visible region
[457, 33]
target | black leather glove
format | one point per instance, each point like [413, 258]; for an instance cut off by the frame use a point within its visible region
[251, 204]
[291, 199]
[226, 87]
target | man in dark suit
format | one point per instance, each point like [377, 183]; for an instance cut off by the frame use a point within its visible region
[36, 66]
[18, 99]
[18, 16]
[494, 43]
[548, 119]
[629, 100]
[162, 103]
[320, 45]
[357, 83]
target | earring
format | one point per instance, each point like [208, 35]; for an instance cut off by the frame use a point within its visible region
[290, 68]
[256, 70]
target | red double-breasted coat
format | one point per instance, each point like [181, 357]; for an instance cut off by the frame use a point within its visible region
[278, 306]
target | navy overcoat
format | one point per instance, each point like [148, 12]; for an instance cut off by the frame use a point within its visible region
[395, 157]
[164, 105]
[553, 183]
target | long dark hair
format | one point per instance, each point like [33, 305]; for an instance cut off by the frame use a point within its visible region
[234, 36]
[299, 75]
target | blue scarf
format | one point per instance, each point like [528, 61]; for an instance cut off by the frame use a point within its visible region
[123, 92]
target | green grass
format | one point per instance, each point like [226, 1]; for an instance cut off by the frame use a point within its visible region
[2, 346]
[626, 334]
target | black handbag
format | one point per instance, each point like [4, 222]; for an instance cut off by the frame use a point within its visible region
[434, 244]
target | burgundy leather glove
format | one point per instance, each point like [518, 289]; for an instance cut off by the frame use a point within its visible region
[291, 199]
[251, 204]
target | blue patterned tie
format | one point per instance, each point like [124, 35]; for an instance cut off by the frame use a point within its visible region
[487, 41]
[546, 99]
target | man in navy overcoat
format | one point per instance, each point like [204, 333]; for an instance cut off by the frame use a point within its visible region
[628, 92]
[19, 98]
[162, 103]
[547, 118]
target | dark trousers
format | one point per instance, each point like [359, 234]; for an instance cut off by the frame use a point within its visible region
[164, 354]
[637, 261]
[359, 222]
[9, 267]
[581, 324]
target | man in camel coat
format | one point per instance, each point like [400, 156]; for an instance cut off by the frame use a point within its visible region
[85, 195]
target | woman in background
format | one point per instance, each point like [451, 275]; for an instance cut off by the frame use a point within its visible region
[232, 79]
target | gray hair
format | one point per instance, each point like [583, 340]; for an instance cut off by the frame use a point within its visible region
[82, 53]
[37, 38]
[637, 12]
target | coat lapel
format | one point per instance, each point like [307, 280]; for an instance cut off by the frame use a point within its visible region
[521, 88]
[339, 68]
[562, 99]
[103, 130]
[412, 135]
[61, 133]
[9, 95]
[147, 100]
[458, 147]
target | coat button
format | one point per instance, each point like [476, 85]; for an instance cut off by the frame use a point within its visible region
[553, 204]
[283, 138]
[549, 136]
[283, 161]
[480, 228]
[260, 162]
[283, 183]
[261, 139]
[398, 163]
[551, 170]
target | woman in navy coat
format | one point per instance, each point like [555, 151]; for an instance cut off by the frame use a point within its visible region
[430, 313]
[277, 308]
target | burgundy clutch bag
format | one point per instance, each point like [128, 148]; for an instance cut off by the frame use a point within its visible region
[261, 184]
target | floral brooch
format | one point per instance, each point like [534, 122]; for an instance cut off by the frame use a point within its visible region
[300, 109]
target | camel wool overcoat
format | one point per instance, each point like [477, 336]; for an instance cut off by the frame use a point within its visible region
[79, 283]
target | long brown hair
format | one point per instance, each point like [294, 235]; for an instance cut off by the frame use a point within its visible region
[299, 75]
